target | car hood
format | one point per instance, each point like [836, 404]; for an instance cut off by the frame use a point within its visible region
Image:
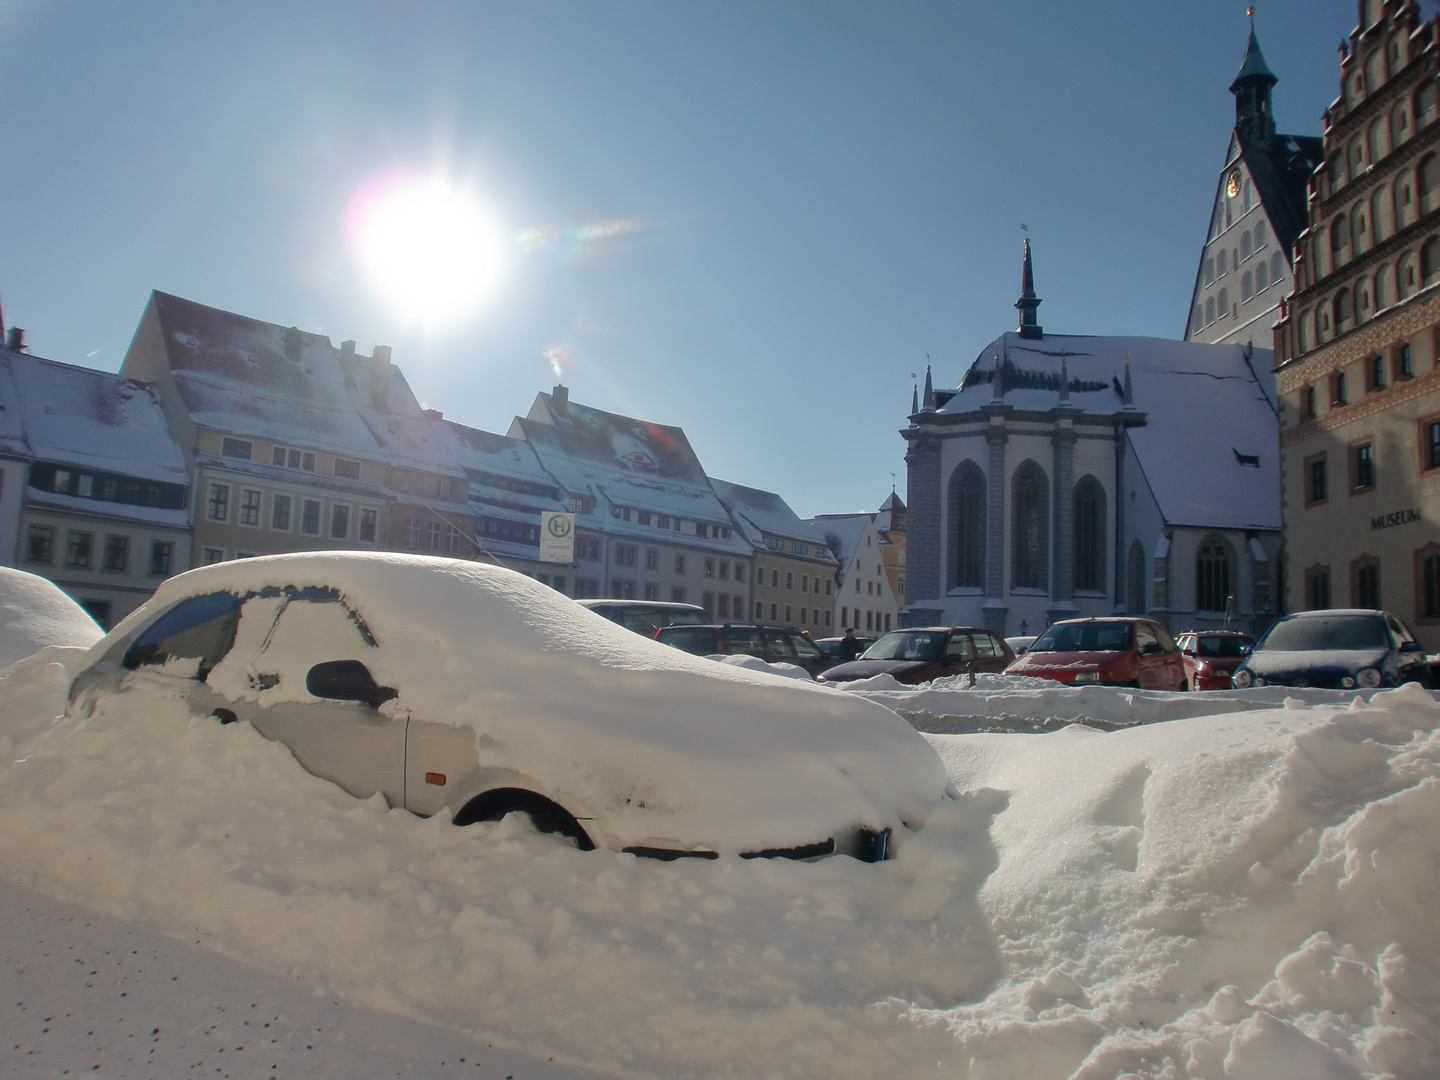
[864, 669]
[654, 742]
[1051, 661]
[1277, 663]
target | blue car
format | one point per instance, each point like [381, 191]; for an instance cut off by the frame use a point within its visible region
[1335, 650]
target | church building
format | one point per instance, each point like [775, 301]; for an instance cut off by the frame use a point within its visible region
[1259, 210]
[1068, 476]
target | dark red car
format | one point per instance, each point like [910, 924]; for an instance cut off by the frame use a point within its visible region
[1211, 657]
[1112, 651]
[924, 653]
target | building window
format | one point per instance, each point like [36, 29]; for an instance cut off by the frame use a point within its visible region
[310, 517]
[1337, 389]
[1317, 588]
[1089, 535]
[759, 609]
[1427, 583]
[679, 562]
[1365, 582]
[347, 468]
[724, 570]
[1212, 574]
[627, 555]
[432, 536]
[587, 548]
[367, 526]
[967, 520]
[162, 553]
[339, 521]
[292, 459]
[1375, 373]
[707, 601]
[677, 594]
[797, 548]
[724, 611]
[249, 507]
[237, 448]
[452, 540]
[217, 506]
[652, 560]
[1362, 466]
[211, 555]
[280, 512]
[709, 568]
[117, 553]
[78, 546]
[1316, 482]
[1307, 403]
[1030, 531]
[40, 544]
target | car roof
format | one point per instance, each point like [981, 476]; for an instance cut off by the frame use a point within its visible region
[1103, 618]
[1320, 612]
[942, 629]
[663, 605]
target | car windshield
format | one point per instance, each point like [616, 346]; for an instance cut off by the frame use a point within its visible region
[1222, 646]
[908, 645]
[1327, 632]
[1085, 637]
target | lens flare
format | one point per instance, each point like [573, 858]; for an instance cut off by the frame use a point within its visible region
[430, 248]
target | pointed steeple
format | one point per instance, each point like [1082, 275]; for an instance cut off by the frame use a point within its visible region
[914, 398]
[1128, 397]
[929, 399]
[1064, 382]
[1254, 118]
[1028, 302]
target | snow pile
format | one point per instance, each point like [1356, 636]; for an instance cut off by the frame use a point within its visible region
[34, 613]
[1232, 896]
[754, 663]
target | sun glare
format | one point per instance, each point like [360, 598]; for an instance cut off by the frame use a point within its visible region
[430, 248]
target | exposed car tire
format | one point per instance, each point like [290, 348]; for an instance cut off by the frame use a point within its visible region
[546, 816]
[1194, 684]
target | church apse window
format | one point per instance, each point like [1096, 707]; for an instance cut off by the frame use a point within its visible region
[1246, 244]
[1430, 261]
[1429, 177]
[1089, 535]
[1262, 277]
[1213, 565]
[1425, 105]
[1247, 286]
[967, 523]
[1224, 303]
[1030, 528]
[1210, 310]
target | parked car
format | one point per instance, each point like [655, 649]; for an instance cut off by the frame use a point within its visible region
[460, 687]
[35, 612]
[1211, 657]
[1114, 651]
[830, 646]
[1021, 645]
[647, 616]
[923, 653]
[773, 644]
[1337, 649]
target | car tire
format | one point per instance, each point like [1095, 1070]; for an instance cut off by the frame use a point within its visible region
[1193, 684]
[546, 816]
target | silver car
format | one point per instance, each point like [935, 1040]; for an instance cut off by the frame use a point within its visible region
[457, 687]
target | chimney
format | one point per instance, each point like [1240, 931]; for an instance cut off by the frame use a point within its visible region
[15, 339]
[347, 361]
[293, 341]
[561, 397]
[432, 414]
[380, 378]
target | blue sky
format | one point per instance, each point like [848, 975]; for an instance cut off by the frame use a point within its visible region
[802, 199]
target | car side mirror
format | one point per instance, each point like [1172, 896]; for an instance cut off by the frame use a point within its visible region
[1411, 646]
[346, 680]
[1151, 649]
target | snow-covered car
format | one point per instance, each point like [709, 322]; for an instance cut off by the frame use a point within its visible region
[461, 688]
[1112, 650]
[1335, 649]
[34, 613]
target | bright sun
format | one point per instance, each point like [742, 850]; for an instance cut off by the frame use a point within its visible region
[429, 247]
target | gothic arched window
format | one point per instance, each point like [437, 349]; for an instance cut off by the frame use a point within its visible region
[1089, 535]
[1213, 575]
[967, 526]
[1029, 528]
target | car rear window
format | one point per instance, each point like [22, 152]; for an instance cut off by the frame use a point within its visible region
[1221, 646]
[693, 639]
[1085, 637]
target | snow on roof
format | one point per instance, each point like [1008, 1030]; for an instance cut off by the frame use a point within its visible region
[150, 515]
[12, 428]
[843, 532]
[94, 420]
[405, 434]
[757, 512]
[1210, 444]
[484, 451]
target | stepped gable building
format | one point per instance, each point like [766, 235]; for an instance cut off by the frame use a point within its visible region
[1069, 476]
[1358, 345]
[103, 494]
[648, 525]
[891, 526]
[794, 576]
[1258, 212]
[864, 600]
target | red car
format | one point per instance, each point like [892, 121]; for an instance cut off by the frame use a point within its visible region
[1211, 657]
[1113, 651]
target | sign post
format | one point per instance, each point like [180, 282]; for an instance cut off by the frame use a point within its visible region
[557, 538]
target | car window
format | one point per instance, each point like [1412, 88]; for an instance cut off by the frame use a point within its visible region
[745, 640]
[778, 645]
[692, 639]
[1402, 634]
[1230, 645]
[959, 650]
[1085, 637]
[1145, 638]
[988, 647]
[1167, 642]
[804, 648]
[908, 645]
[1327, 632]
[201, 629]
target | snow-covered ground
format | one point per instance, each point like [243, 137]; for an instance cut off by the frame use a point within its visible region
[1246, 891]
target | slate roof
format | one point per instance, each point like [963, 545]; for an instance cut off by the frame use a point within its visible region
[1281, 174]
[757, 512]
[1206, 408]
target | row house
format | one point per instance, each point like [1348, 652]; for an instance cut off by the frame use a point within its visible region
[866, 601]
[794, 575]
[648, 525]
[94, 492]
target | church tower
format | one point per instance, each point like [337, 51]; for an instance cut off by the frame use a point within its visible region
[1259, 209]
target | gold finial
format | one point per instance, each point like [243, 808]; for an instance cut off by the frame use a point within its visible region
[1250, 11]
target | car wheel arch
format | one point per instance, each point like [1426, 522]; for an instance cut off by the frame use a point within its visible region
[545, 814]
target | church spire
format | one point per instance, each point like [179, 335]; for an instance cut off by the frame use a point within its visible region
[1028, 302]
[928, 401]
[1254, 120]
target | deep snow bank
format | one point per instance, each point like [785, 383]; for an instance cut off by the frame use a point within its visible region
[1233, 896]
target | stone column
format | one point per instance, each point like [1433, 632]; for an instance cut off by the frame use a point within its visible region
[1122, 563]
[924, 603]
[1062, 529]
[994, 608]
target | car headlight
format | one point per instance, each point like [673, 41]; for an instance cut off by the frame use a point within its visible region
[1087, 676]
[1368, 677]
[1242, 679]
[1348, 682]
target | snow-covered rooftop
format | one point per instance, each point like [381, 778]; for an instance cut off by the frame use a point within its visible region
[757, 512]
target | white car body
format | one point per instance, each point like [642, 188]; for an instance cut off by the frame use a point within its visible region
[491, 682]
